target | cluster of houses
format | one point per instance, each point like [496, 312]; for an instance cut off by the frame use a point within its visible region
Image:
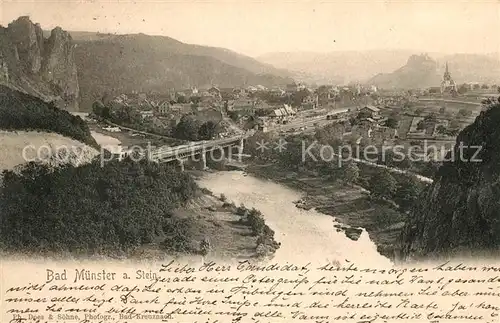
[368, 126]
[214, 102]
[371, 126]
[397, 100]
[283, 113]
[272, 105]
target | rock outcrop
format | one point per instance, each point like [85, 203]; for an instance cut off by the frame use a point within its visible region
[28, 41]
[459, 214]
[59, 67]
[420, 71]
[39, 66]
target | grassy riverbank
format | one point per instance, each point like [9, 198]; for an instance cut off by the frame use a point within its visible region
[213, 220]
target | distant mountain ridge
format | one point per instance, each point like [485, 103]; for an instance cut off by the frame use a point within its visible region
[386, 68]
[422, 71]
[123, 63]
[340, 67]
[174, 46]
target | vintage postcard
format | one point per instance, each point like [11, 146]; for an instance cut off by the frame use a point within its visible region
[249, 161]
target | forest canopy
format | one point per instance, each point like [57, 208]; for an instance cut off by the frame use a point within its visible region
[92, 209]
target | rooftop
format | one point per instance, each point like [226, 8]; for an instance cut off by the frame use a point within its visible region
[372, 108]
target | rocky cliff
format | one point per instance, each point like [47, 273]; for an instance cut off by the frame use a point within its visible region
[420, 71]
[39, 66]
[460, 212]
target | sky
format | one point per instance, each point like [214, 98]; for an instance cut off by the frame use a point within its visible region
[258, 27]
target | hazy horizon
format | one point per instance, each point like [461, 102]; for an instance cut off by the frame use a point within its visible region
[255, 29]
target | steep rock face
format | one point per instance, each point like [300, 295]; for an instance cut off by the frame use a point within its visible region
[59, 66]
[38, 66]
[4, 71]
[28, 41]
[460, 212]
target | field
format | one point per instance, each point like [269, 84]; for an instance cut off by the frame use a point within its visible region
[404, 126]
[434, 105]
[410, 118]
[13, 143]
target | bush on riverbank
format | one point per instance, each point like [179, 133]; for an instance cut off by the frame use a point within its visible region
[265, 235]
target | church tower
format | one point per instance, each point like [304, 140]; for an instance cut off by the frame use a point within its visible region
[448, 84]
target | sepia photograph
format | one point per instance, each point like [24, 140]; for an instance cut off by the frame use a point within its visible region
[353, 134]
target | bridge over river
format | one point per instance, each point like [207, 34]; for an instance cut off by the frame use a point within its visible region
[181, 153]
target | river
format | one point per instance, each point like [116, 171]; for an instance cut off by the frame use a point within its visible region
[304, 235]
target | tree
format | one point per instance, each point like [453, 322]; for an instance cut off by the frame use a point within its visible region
[258, 143]
[442, 110]
[353, 121]
[419, 111]
[421, 125]
[188, 128]
[441, 129]
[431, 118]
[427, 121]
[383, 184]
[405, 164]
[106, 98]
[454, 124]
[209, 130]
[392, 122]
[463, 88]
[100, 110]
[298, 97]
[195, 100]
[464, 113]
[408, 192]
[234, 115]
[292, 154]
[430, 168]
[406, 106]
[351, 173]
